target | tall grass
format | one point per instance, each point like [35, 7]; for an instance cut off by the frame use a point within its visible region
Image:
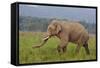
[48, 53]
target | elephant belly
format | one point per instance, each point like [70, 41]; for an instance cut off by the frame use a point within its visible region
[79, 37]
[74, 37]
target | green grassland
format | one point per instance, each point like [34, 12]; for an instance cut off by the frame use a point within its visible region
[48, 52]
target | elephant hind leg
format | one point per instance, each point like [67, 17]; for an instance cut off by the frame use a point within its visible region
[86, 48]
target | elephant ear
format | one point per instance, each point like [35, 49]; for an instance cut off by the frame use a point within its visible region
[58, 28]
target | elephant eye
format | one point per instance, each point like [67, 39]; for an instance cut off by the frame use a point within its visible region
[49, 29]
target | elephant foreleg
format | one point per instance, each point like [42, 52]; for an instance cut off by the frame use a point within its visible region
[78, 48]
[62, 47]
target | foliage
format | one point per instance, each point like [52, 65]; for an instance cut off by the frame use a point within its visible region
[40, 24]
[48, 53]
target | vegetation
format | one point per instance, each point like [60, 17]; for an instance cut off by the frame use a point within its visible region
[41, 24]
[48, 53]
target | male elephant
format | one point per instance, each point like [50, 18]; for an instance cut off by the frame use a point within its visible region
[67, 31]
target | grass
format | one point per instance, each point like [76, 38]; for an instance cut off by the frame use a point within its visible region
[48, 53]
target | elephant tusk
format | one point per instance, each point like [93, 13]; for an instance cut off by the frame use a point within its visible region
[46, 38]
[44, 41]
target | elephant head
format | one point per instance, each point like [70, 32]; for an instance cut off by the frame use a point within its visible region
[53, 29]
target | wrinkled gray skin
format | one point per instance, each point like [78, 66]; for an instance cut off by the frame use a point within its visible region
[67, 31]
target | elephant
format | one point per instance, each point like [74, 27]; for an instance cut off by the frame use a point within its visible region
[67, 31]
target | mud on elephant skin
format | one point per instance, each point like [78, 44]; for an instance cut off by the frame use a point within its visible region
[67, 31]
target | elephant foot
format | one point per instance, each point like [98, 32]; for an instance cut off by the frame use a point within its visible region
[61, 50]
[86, 49]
